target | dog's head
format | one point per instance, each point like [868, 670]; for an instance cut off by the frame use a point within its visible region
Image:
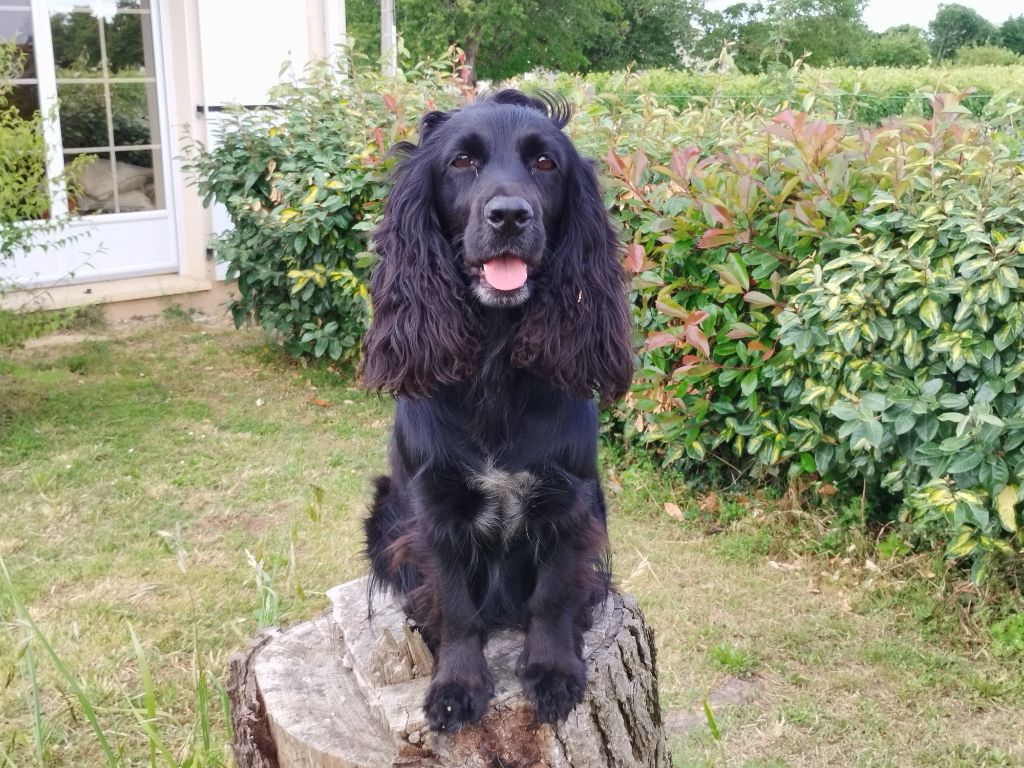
[499, 173]
[495, 212]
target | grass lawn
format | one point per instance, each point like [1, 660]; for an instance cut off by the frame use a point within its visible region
[185, 481]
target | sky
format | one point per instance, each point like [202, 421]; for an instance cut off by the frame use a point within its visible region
[879, 15]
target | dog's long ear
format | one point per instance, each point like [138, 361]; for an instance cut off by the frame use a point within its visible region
[577, 332]
[422, 332]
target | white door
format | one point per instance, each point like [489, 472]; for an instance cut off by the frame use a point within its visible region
[279, 36]
[95, 69]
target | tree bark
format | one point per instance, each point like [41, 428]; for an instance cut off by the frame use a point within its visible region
[346, 691]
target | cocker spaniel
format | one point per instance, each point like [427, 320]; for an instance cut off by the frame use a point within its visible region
[499, 312]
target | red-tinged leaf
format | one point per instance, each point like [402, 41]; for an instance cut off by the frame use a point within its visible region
[718, 213]
[728, 277]
[696, 336]
[638, 166]
[671, 308]
[759, 299]
[694, 370]
[804, 212]
[635, 257]
[390, 103]
[682, 162]
[378, 136]
[696, 317]
[744, 185]
[615, 164]
[715, 238]
[691, 360]
[756, 346]
[673, 511]
[660, 339]
[741, 331]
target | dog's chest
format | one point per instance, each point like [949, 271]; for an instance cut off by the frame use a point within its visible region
[502, 516]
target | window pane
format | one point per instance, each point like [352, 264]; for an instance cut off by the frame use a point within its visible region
[127, 185]
[132, 105]
[25, 98]
[129, 45]
[95, 187]
[16, 27]
[136, 187]
[76, 44]
[83, 115]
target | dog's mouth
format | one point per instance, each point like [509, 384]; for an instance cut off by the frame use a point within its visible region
[504, 273]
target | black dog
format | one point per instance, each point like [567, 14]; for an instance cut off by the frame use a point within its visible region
[499, 311]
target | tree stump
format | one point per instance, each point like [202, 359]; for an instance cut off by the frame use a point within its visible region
[346, 691]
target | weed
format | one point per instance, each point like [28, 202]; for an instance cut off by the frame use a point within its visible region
[734, 660]
[175, 313]
[1008, 635]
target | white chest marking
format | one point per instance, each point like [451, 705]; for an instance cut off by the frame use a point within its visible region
[503, 515]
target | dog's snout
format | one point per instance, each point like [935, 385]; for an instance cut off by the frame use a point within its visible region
[510, 215]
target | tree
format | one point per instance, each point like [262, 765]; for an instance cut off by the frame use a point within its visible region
[1011, 34]
[652, 35]
[507, 37]
[902, 46]
[831, 30]
[784, 30]
[744, 25]
[955, 26]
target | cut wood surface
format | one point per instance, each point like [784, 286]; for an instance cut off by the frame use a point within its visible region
[346, 691]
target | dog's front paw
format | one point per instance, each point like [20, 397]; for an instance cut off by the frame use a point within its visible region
[450, 705]
[554, 689]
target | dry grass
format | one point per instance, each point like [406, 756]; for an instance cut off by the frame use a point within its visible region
[138, 471]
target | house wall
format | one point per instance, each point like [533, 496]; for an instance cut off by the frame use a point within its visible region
[195, 285]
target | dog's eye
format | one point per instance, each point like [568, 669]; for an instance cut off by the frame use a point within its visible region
[544, 163]
[462, 160]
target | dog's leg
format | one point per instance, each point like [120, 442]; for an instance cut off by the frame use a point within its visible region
[461, 684]
[551, 668]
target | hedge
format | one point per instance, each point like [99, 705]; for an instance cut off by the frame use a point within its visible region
[813, 297]
[864, 95]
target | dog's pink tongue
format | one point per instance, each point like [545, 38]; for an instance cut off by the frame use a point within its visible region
[506, 273]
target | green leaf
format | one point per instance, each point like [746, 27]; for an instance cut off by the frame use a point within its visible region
[930, 314]
[1006, 506]
[716, 733]
[749, 383]
[965, 462]
[845, 410]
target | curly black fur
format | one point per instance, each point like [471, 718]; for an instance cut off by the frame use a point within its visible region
[493, 513]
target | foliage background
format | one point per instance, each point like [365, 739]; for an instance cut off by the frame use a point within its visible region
[820, 299]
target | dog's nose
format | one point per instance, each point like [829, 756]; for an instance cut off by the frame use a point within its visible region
[509, 215]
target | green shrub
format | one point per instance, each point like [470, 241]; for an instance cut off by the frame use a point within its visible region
[816, 298]
[987, 56]
[865, 95]
[820, 298]
[304, 185]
